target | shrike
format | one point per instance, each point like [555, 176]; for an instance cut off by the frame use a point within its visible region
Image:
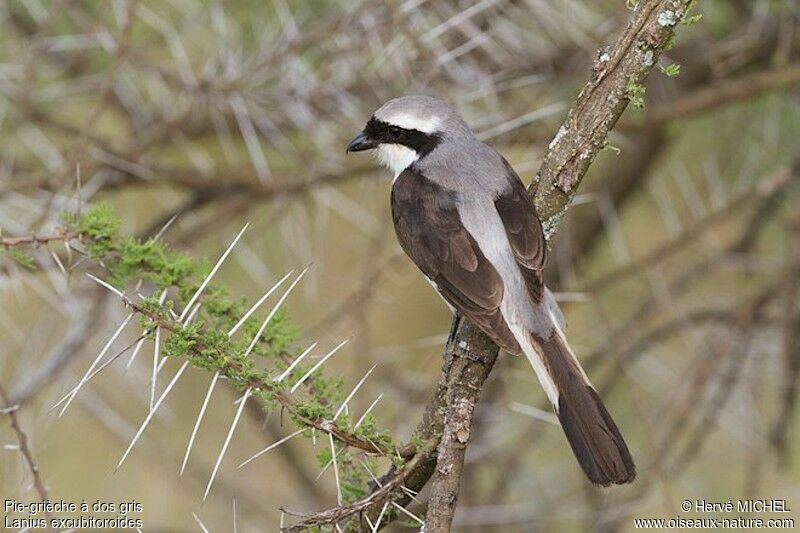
[464, 217]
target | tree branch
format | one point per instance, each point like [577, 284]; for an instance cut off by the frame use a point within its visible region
[37, 240]
[22, 438]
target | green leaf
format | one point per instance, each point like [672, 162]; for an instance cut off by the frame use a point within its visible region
[19, 256]
[671, 70]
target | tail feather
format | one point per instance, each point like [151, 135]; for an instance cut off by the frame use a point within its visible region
[592, 434]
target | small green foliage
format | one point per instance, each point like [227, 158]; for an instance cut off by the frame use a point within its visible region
[670, 44]
[369, 431]
[688, 19]
[150, 261]
[635, 93]
[630, 4]
[354, 479]
[183, 341]
[312, 409]
[692, 19]
[671, 70]
[417, 440]
[327, 389]
[19, 256]
[398, 461]
[100, 226]
[278, 338]
[324, 456]
[70, 218]
[353, 489]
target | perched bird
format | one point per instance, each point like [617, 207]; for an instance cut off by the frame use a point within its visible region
[464, 218]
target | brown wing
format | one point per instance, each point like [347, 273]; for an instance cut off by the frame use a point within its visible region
[524, 231]
[430, 231]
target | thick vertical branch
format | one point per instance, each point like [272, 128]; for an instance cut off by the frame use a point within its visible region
[617, 71]
[465, 379]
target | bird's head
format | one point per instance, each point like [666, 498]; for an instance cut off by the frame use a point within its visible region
[406, 129]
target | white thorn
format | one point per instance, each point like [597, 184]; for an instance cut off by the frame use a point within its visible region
[410, 493]
[161, 364]
[380, 518]
[324, 469]
[378, 483]
[200, 523]
[316, 366]
[96, 371]
[256, 305]
[192, 314]
[409, 513]
[135, 353]
[200, 416]
[227, 441]
[295, 362]
[353, 392]
[271, 446]
[211, 275]
[84, 379]
[152, 412]
[156, 346]
[107, 286]
[164, 228]
[274, 310]
[58, 262]
[335, 470]
[235, 526]
[360, 420]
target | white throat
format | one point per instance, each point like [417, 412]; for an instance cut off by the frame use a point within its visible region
[396, 157]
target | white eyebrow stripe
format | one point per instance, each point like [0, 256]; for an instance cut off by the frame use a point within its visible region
[411, 122]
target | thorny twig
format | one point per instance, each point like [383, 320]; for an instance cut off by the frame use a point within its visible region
[36, 240]
[285, 399]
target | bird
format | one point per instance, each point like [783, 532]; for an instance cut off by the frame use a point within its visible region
[463, 216]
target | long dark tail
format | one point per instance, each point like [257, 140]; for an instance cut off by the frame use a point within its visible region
[592, 434]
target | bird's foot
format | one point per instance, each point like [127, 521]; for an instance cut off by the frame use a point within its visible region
[451, 337]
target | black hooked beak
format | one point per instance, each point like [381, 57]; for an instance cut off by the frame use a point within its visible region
[361, 143]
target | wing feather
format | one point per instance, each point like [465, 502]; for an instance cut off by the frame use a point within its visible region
[430, 231]
[524, 231]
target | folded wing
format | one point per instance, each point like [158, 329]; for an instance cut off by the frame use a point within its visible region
[430, 231]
